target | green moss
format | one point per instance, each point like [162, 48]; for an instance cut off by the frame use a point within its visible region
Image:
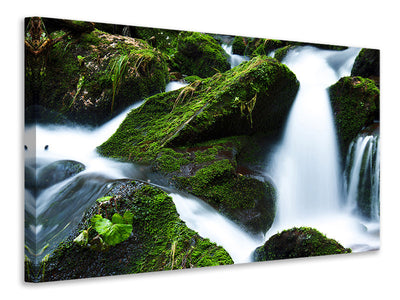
[355, 102]
[90, 56]
[206, 109]
[239, 45]
[199, 54]
[281, 52]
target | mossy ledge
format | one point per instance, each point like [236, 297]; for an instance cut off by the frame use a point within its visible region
[298, 242]
[160, 240]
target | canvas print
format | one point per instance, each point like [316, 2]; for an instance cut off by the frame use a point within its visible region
[152, 149]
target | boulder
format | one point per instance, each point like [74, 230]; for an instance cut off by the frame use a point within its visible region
[88, 76]
[160, 240]
[189, 134]
[355, 104]
[298, 242]
[253, 97]
[57, 172]
[367, 64]
[199, 54]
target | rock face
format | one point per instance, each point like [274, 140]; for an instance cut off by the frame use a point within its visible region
[88, 76]
[298, 242]
[355, 103]
[159, 239]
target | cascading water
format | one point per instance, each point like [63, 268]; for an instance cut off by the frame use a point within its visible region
[305, 166]
[234, 59]
[362, 177]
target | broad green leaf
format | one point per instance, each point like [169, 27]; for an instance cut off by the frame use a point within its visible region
[102, 226]
[128, 217]
[112, 232]
[104, 199]
[117, 219]
[95, 218]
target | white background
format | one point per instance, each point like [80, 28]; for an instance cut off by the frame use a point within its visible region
[370, 24]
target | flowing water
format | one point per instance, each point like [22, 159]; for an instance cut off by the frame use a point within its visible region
[234, 59]
[305, 166]
[52, 212]
[362, 177]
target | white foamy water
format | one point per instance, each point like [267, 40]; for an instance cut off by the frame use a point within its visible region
[305, 166]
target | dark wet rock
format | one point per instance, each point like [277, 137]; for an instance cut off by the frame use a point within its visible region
[298, 242]
[57, 172]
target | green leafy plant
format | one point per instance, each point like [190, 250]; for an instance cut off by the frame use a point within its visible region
[113, 231]
[110, 232]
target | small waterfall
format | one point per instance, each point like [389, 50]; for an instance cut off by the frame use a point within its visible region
[362, 177]
[305, 165]
[234, 59]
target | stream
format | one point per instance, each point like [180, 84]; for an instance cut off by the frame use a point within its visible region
[304, 167]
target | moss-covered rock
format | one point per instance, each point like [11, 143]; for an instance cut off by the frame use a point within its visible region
[216, 172]
[255, 96]
[77, 78]
[239, 45]
[367, 64]
[355, 103]
[159, 240]
[298, 242]
[194, 132]
[199, 54]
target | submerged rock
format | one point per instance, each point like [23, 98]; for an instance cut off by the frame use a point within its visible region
[57, 172]
[159, 239]
[298, 242]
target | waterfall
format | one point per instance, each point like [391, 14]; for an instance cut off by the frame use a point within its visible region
[234, 59]
[305, 166]
[362, 177]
